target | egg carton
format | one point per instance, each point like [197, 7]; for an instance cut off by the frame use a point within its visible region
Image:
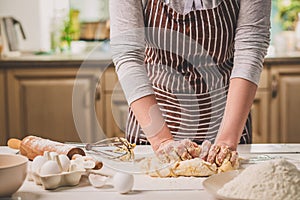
[54, 181]
[52, 170]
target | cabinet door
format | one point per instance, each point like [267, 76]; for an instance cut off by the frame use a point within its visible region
[260, 113]
[285, 112]
[40, 103]
[116, 107]
[3, 130]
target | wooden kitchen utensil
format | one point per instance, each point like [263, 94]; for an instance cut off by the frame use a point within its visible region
[32, 146]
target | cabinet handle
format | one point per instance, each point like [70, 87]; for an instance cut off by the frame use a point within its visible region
[98, 91]
[274, 86]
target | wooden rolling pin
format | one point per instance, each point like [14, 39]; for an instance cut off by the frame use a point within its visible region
[32, 146]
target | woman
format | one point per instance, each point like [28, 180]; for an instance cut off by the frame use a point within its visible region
[189, 70]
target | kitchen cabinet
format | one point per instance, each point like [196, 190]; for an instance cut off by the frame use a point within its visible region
[260, 118]
[3, 130]
[116, 107]
[37, 97]
[260, 111]
[285, 103]
[40, 103]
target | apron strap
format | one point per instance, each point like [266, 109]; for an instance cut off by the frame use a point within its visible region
[189, 5]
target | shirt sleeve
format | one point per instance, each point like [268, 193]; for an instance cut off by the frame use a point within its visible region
[252, 39]
[127, 39]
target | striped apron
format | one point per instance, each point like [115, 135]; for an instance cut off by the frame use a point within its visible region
[189, 59]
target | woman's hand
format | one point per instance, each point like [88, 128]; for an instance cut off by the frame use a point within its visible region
[218, 152]
[178, 150]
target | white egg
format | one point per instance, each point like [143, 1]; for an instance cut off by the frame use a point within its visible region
[75, 166]
[79, 161]
[89, 164]
[64, 161]
[87, 158]
[75, 156]
[37, 163]
[49, 168]
[97, 180]
[123, 182]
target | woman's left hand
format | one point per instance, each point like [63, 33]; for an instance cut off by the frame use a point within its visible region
[218, 152]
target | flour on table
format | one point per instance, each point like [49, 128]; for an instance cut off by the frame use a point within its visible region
[276, 180]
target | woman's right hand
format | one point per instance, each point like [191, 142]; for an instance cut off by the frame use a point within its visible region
[171, 150]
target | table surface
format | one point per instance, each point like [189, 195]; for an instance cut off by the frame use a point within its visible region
[146, 187]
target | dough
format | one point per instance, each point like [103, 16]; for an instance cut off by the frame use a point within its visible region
[194, 167]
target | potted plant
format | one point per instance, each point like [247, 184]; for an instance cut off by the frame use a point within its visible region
[288, 13]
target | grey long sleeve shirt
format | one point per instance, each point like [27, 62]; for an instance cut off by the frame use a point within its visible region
[128, 46]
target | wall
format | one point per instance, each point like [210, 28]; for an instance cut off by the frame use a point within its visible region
[91, 10]
[35, 17]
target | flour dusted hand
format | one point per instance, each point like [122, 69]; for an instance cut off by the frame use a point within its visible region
[219, 154]
[185, 149]
[178, 150]
[206, 144]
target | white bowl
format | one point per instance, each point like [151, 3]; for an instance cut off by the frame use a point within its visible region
[13, 171]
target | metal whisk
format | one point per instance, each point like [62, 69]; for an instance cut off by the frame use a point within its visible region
[115, 148]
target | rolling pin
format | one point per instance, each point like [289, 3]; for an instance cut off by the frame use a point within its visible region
[32, 146]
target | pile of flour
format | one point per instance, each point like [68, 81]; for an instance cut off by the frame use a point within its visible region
[276, 180]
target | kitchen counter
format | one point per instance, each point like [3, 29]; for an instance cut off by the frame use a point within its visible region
[146, 187]
[102, 54]
[282, 59]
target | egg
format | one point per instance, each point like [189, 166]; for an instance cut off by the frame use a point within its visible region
[89, 164]
[76, 166]
[123, 182]
[64, 162]
[75, 156]
[49, 168]
[97, 180]
[37, 163]
[79, 161]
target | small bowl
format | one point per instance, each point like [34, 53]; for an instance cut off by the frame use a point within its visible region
[13, 169]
